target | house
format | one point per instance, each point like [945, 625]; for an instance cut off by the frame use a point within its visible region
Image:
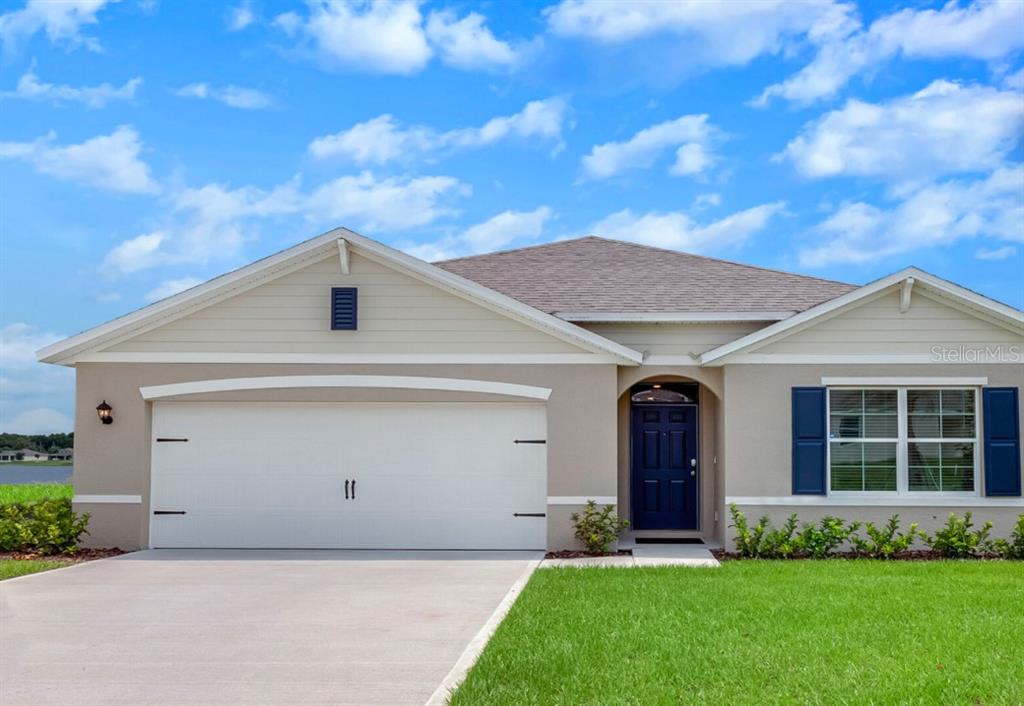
[8, 455]
[62, 455]
[29, 455]
[476, 403]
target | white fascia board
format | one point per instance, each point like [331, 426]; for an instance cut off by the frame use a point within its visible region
[1003, 313]
[396, 382]
[904, 381]
[682, 317]
[491, 299]
[219, 287]
[581, 358]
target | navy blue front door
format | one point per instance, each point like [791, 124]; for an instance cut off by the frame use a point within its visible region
[664, 467]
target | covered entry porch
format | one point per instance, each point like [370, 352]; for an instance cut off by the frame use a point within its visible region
[669, 454]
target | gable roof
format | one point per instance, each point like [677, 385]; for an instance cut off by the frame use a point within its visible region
[908, 278]
[577, 279]
[336, 241]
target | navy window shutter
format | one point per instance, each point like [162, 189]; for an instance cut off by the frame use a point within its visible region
[1002, 440]
[809, 441]
[344, 308]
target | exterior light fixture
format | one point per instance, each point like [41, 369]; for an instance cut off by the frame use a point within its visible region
[105, 412]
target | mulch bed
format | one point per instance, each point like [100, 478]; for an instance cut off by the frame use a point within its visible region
[914, 555]
[573, 554]
[78, 556]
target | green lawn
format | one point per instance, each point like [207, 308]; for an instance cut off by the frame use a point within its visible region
[39, 463]
[761, 632]
[26, 492]
[9, 568]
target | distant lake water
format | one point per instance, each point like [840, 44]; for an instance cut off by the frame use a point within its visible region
[14, 474]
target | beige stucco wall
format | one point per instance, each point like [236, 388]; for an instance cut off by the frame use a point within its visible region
[675, 339]
[757, 420]
[114, 459]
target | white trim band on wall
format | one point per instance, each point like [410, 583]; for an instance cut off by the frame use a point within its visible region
[108, 499]
[368, 381]
[905, 381]
[582, 499]
[876, 501]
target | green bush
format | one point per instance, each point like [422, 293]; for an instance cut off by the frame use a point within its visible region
[598, 528]
[1014, 548]
[41, 527]
[820, 540]
[749, 540]
[956, 539]
[885, 542]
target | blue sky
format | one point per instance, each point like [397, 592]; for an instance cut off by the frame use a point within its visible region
[147, 146]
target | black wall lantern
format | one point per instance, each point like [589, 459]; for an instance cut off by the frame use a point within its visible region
[105, 412]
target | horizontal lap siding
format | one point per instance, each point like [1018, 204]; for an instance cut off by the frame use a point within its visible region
[397, 314]
[878, 327]
[674, 339]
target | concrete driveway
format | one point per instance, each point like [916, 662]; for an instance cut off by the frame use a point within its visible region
[189, 627]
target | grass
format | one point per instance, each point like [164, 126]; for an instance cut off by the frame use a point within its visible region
[9, 568]
[39, 463]
[761, 632]
[27, 492]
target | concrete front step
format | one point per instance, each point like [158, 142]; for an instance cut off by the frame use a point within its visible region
[695, 555]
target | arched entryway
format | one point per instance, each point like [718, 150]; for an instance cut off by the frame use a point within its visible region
[668, 482]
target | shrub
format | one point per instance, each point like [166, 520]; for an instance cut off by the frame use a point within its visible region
[885, 542]
[956, 539]
[1014, 548]
[749, 541]
[820, 540]
[42, 527]
[598, 529]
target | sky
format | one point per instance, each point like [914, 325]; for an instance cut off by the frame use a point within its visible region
[146, 146]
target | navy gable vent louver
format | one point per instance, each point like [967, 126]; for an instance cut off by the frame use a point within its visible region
[344, 308]
[1002, 441]
[809, 441]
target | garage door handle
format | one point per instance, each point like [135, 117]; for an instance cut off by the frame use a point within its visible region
[353, 489]
[346, 490]
[168, 512]
[529, 514]
[530, 441]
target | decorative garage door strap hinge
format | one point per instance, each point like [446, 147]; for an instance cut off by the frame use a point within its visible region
[164, 438]
[529, 514]
[530, 441]
[168, 512]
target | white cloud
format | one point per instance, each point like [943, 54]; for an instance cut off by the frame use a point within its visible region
[708, 200]
[108, 162]
[677, 231]
[28, 388]
[495, 233]
[383, 139]
[213, 221]
[383, 36]
[1015, 80]
[932, 215]
[709, 33]
[31, 88]
[240, 16]
[231, 96]
[986, 30]
[1003, 253]
[62, 22]
[170, 287]
[468, 43]
[385, 204]
[945, 128]
[691, 136]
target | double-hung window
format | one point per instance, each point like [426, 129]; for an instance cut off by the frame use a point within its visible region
[903, 440]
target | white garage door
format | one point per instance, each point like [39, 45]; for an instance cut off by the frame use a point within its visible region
[416, 476]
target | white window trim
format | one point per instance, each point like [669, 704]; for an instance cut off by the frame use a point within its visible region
[902, 445]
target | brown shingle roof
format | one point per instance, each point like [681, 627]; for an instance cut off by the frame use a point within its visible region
[594, 274]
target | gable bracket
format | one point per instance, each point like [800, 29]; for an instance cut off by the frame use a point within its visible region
[343, 255]
[908, 285]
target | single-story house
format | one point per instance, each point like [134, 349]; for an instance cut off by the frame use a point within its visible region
[29, 455]
[476, 403]
[62, 455]
[8, 455]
